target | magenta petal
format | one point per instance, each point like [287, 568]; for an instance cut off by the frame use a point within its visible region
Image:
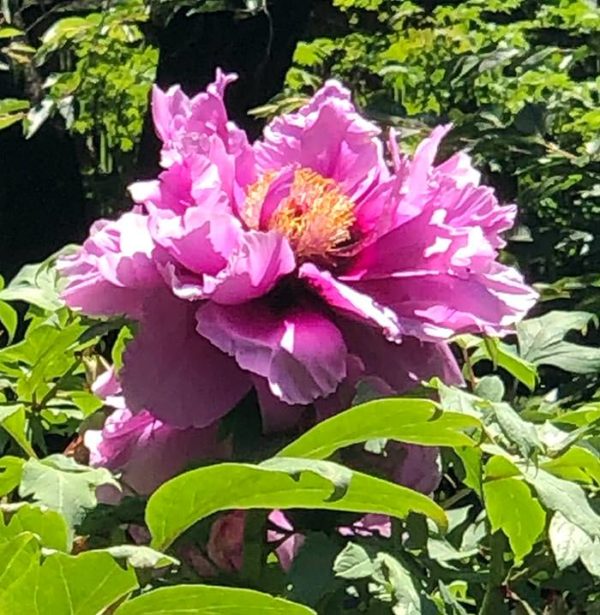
[258, 263]
[328, 136]
[176, 374]
[401, 365]
[112, 272]
[350, 302]
[300, 353]
[146, 451]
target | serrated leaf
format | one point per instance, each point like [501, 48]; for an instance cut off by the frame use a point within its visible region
[63, 485]
[205, 599]
[192, 496]
[417, 421]
[511, 507]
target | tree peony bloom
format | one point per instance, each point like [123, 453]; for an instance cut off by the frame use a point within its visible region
[146, 451]
[295, 265]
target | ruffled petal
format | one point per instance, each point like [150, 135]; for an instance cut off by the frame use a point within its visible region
[349, 301]
[300, 352]
[146, 451]
[328, 136]
[402, 365]
[112, 272]
[176, 374]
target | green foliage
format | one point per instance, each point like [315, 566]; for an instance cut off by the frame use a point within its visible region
[199, 599]
[295, 483]
[517, 79]
[514, 521]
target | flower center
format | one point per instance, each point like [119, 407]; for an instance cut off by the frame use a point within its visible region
[316, 216]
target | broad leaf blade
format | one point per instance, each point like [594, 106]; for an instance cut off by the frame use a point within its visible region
[205, 599]
[183, 501]
[417, 421]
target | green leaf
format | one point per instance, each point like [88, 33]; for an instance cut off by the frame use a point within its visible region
[577, 463]
[9, 320]
[85, 584]
[19, 559]
[125, 335]
[11, 470]
[541, 342]
[38, 284]
[192, 496]
[353, 562]
[502, 355]
[570, 543]
[63, 485]
[417, 421]
[511, 507]
[205, 599]
[490, 388]
[48, 525]
[140, 556]
[311, 576]
[521, 433]
[563, 496]
[13, 420]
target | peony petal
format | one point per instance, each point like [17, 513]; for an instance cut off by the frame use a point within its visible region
[112, 272]
[300, 352]
[401, 365]
[328, 136]
[175, 373]
[435, 305]
[349, 301]
[258, 263]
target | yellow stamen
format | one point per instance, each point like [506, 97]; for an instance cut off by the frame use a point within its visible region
[316, 216]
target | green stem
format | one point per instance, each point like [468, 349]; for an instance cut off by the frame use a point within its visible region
[493, 601]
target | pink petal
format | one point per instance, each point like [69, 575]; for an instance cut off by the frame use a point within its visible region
[112, 272]
[146, 451]
[349, 301]
[300, 352]
[176, 374]
[328, 136]
[401, 365]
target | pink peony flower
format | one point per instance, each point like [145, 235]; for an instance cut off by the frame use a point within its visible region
[142, 448]
[294, 265]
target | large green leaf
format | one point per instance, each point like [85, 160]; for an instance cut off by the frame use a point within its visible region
[19, 558]
[85, 584]
[511, 507]
[188, 498]
[418, 421]
[63, 485]
[541, 342]
[563, 496]
[48, 525]
[570, 543]
[209, 600]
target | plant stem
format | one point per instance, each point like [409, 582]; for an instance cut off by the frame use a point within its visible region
[493, 601]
